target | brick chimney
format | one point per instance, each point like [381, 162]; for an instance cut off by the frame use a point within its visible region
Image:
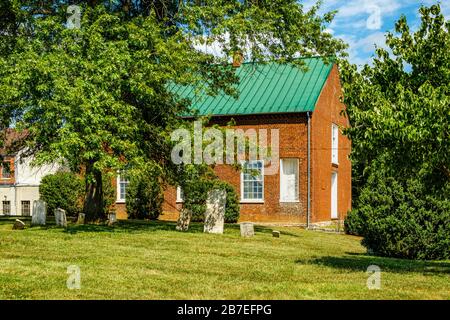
[238, 58]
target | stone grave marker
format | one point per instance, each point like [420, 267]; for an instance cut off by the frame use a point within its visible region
[215, 211]
[60, 217]
[39, 214]
[247, 229]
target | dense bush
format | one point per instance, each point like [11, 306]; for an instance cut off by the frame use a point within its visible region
[198, 193]
[232, 209]
[354, 223]
[144, 195]
[402, 220]
[62, 190]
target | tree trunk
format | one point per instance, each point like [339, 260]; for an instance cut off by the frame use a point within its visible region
[184, 219]
[93, 200]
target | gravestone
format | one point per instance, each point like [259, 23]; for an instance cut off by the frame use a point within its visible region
[184, 219]
[276, 234]
[247, 229]
[60, 217]
[112, 218]
[81, 218]
[215, 211]
[18, 225]
[39, 213]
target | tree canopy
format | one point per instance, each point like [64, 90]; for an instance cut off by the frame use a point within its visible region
[399, 109]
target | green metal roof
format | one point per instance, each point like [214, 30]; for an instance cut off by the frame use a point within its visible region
[267, 88]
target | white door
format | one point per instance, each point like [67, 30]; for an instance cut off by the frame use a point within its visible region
[334, 195]
[289, 180]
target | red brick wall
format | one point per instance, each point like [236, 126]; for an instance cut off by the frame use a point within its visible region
[328, 110]
[293, 144]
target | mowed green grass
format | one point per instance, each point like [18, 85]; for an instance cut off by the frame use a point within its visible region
[150, 260]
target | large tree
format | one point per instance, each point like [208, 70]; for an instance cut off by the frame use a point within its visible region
[399, 108]
[98, 97]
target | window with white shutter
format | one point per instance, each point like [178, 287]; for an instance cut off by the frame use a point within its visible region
[289, 180]
[334, 143]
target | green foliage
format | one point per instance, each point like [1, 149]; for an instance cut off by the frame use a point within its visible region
[354, 223]
[403, 219]
[109, 193]
[62, 190]
[232, 209]
[145, 195]
[197, 182]
[399, 109]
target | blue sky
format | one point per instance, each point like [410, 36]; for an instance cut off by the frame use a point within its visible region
[363, 23]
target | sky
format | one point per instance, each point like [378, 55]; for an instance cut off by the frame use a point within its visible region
[362, 24]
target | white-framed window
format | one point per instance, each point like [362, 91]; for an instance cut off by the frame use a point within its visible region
[6, 170]
[252, 181]
[334, 143]
[289, 180]
[122, 184]
[180, 194]
[25, 208]
[6, 207]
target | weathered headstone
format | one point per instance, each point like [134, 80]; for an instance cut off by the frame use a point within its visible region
[276, 234]
[184, 219]
[60, 217]
[81, 218]
[39, 213]
[18, 225]
[247, 229]
[112, 218]
[215, 211]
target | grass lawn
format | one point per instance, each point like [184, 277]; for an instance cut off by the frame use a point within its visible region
[149, 260]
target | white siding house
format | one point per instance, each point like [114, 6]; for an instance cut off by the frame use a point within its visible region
[18, 192]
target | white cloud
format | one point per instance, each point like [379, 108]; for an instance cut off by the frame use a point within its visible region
[361, 49]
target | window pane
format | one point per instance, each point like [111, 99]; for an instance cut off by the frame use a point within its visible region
[25, 208]
[6, 207]
[252, 181]
[6, 170]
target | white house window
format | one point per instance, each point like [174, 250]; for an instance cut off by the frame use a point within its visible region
[122, 184]
[288, 180]
[180, 194]
[25, 207]
[334, 143]
[252, 181]
[6, 207]
[6, 170]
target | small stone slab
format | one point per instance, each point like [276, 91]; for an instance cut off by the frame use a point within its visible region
[215, 211]
[112, 218]
[18, 225]
[60, 217]
[81, 218]
[247, 229]
[39, 213]
[276, 234]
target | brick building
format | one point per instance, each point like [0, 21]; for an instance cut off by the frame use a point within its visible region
[314, 160]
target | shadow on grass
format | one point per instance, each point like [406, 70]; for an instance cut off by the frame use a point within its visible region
[360, 262]
[134, 226]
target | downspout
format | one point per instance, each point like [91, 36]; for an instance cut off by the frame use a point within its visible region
[308, 204]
